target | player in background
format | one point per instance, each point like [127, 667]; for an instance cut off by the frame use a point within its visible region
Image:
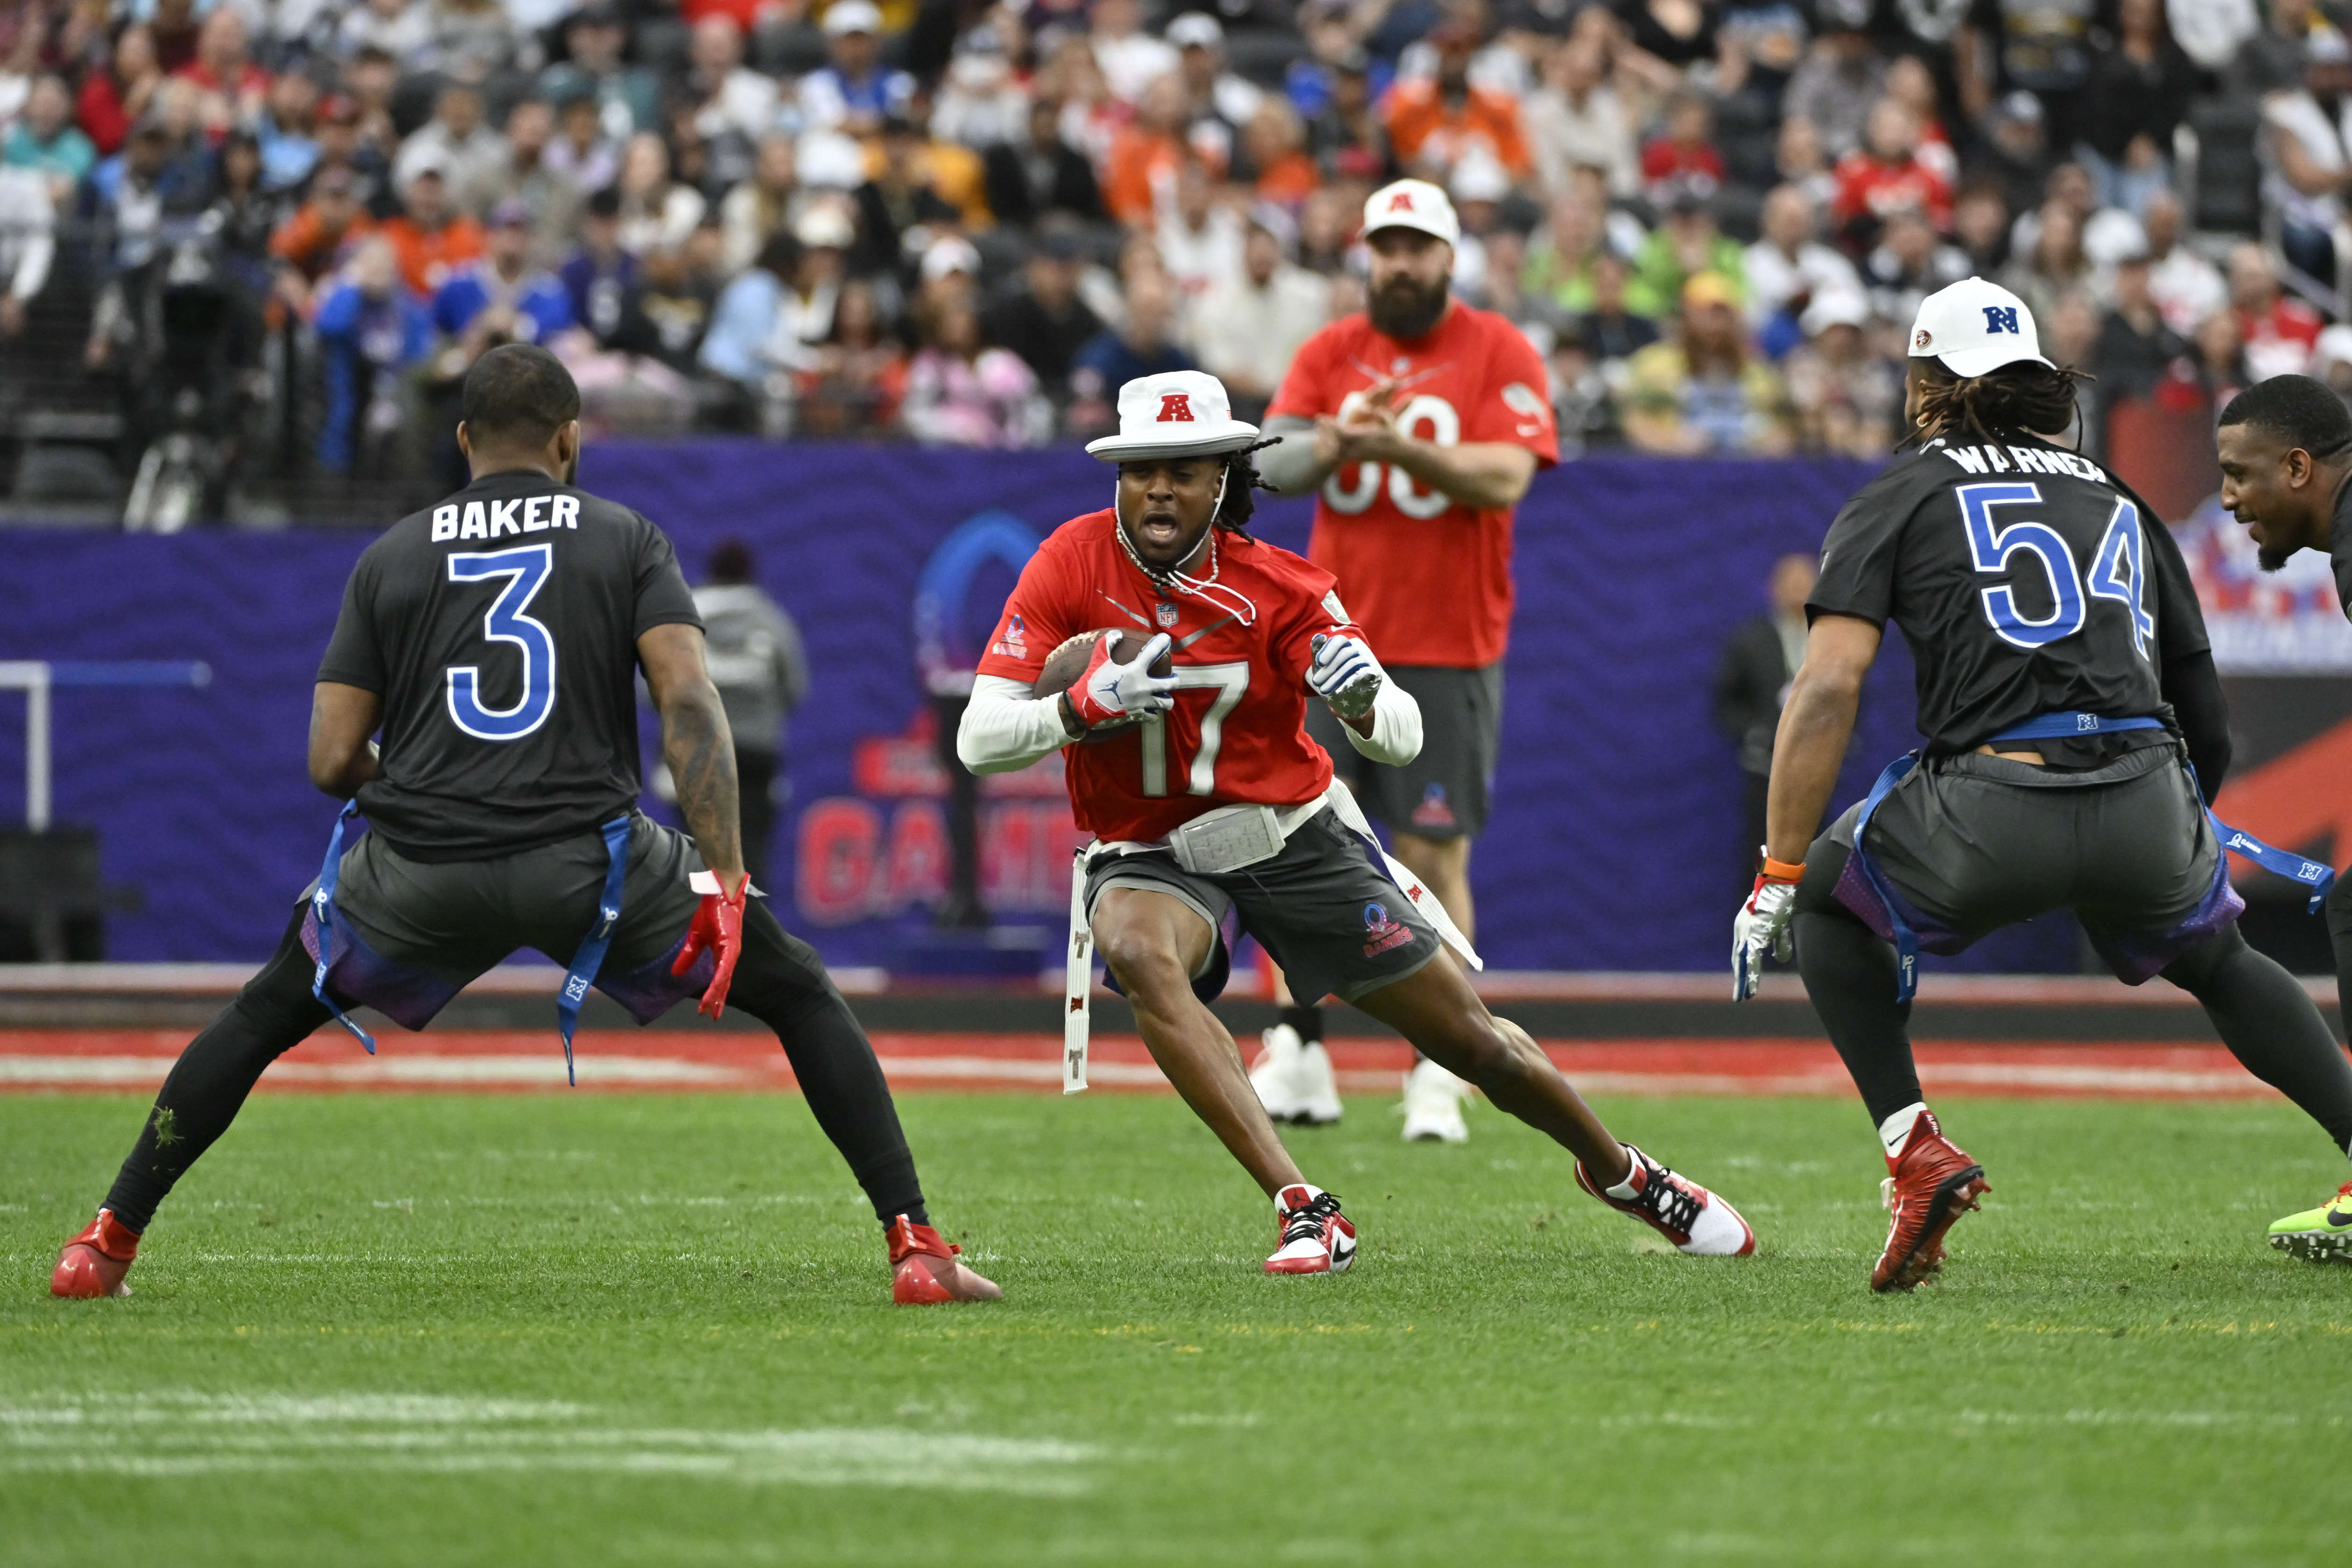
[2066, 689]
[1218, 801]
[495, 641]
[1423, 422]
[2285, 446]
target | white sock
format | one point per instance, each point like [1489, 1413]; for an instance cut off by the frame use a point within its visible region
[1623, 1191]
[1895, 1131]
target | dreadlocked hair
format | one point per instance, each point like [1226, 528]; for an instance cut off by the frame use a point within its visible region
[1241, 481]
[2023, 398]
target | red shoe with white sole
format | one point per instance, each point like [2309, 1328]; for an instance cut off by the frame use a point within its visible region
[1313, 1235]
[1928, 1187]
[926, 1269]
[94, 1263]
[1695, 1220]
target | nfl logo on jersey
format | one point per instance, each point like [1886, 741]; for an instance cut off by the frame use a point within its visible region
[1165, 614]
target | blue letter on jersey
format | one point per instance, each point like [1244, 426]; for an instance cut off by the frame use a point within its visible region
[525, 567]
[1990, 548]
[2119, 570]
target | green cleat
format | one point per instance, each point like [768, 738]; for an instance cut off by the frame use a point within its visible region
[2321, 1234]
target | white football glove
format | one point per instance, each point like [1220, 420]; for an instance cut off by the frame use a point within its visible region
[1109, 692]
[1761, 927]
[1344, 674]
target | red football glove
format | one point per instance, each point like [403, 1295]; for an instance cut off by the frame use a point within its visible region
[719, 928]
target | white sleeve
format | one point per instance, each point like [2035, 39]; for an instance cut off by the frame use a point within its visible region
[1005, 729]
[1396, 727]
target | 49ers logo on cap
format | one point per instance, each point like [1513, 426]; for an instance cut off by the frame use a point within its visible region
[1922, 338]
[1175, 408]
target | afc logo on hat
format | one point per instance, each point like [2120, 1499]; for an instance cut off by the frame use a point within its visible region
[2000, 319]
[1175, 408]
[1402, 202]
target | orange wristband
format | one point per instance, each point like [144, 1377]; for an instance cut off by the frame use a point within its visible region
[1781, 870]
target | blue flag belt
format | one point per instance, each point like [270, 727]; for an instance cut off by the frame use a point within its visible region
[586, 962]
[590, 958]
[2313, 874]
[323, 904]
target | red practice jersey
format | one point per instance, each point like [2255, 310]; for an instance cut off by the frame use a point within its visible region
[1238, 732]
[1430, 579]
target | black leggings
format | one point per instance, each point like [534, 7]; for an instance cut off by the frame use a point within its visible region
[779, 980]
[2261, 1012]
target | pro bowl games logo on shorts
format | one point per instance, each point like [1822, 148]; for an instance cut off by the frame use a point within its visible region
[1381, 933]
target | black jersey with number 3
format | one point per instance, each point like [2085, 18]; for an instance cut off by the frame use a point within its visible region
[2027, 581]
[500, 628]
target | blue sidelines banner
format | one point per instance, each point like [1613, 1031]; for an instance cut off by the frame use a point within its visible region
[1614, 844]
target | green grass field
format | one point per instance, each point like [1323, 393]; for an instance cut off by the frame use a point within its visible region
[544, 1329]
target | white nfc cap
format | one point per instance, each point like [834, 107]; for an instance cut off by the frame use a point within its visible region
[1413, 204]
[1975, 327]
[1176, 414]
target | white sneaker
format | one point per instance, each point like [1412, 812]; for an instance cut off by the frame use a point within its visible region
[1293, 1079]
[1432, 1105]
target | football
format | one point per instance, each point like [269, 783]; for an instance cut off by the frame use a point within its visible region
[1066, 663]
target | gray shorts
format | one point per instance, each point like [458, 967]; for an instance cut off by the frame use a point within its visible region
[1323, 908]
[1973, 843]
[1447, 791]
[412, 933]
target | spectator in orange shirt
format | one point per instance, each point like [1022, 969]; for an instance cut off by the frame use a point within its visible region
[1145, 155]
[1433, 123]
[1277, 141]
[430, 238]
[312, 242]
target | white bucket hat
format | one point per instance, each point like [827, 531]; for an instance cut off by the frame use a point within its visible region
[1975, 327]
[1413, 204]
[1176, 414]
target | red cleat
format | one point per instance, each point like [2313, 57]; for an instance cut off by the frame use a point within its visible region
[1930, 1185]
[926, 1271]
[1312, 1236]
[94, 1263]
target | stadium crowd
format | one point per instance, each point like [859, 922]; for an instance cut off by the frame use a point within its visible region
[968, 223]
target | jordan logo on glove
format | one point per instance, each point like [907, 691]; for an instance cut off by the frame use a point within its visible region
[1111, 691]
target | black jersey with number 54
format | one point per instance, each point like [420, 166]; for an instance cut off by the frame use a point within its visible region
[500, 628]
[2027, 581]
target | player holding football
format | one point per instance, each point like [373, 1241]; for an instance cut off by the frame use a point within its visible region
[2285, 448]
[2066, 689]
[495, 639]
[1423, 422]
[1209, 796]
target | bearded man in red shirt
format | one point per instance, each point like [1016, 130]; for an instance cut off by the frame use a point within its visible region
[1421, 423]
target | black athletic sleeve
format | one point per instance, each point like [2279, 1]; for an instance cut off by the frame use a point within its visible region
[354, 654]
[1858, 558]
[662, 598]
[2194, 688]
[2180, 619]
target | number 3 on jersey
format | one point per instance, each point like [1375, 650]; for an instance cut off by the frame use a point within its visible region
[525, 568]
[2118, 567]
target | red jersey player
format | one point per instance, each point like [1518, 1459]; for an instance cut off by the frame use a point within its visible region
[1423, 421]
[1209, 798]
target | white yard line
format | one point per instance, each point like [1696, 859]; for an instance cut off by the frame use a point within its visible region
[165, 1434]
